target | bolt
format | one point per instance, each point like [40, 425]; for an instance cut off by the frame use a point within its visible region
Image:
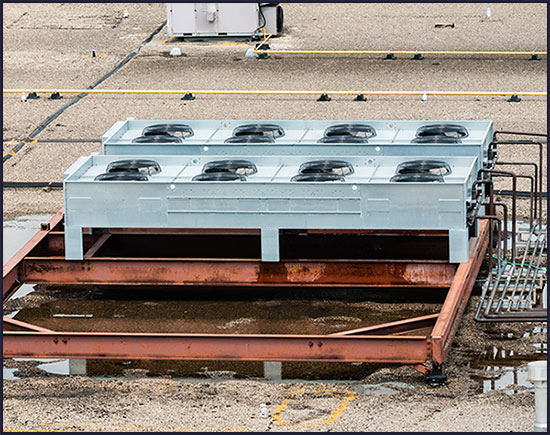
[310, 344]
[55, 340]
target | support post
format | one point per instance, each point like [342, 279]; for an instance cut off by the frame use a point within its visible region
[273, 370]
[538, 375]
[74, 249]
[458, 246]
[270, 244]
[77, 366]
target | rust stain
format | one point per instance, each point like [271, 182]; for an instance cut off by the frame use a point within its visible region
[305, 272]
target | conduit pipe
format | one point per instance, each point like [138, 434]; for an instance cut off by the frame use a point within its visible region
[537, 374]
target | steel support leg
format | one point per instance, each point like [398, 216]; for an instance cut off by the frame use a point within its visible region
[436, 377]
[458, 246]
[74, 249]
[270, 244]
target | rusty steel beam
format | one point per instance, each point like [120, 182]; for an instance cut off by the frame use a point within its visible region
[376, 349]
[348, 346]
[97, 245]
[400, 326]
[451, 313]
[131, 271]
[16, 325]
[11, 280]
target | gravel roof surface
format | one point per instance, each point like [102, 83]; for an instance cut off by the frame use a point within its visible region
[48, 46]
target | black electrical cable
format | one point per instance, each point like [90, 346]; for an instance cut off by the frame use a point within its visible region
[263, 17]
[31, 184]
[76, 99]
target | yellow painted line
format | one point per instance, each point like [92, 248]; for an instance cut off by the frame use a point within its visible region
[358, 52]
[273, 92]
[164, 41]
[9, 153]
[88, 56]
[33, 141]
[333, 416]
[233, 44]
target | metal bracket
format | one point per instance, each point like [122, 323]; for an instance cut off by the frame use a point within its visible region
[360, 97]
[188, 97]
[514, 99]
[324, 97]
[435, 377]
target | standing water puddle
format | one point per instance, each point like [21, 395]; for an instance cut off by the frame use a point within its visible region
[505, 369]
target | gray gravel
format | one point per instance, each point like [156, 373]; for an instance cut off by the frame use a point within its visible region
[46, 45]
[143, 404]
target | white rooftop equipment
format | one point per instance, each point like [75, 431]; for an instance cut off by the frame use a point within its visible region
[195, 20]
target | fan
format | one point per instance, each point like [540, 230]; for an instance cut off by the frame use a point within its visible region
[122, 176]
[161, 138]
[243, 167]
[318, 177]
[250, 139]
[219, 176]
[355, 130]
[269, 130]
[418, 178]
[176, 130]
[343, 139]
[437, 167]
[448, 130]
[149, 167]
[339, 167]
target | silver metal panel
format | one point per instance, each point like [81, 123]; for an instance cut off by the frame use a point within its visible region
[268, 200]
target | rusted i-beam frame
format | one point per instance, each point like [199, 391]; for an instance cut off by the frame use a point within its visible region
[11, 280]
[407, 350]
[349, 346]
[186, 272]
[459, 293]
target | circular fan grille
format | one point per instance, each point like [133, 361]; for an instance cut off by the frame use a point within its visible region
[219, 176]
[436, 167]
[339, 167]
[242, 167]
[122, 176]
[270, 130]
[176, 130]
[250, 139]
[145, 166]
[317, 177]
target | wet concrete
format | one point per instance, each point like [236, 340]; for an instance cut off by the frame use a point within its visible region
[15, 234]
